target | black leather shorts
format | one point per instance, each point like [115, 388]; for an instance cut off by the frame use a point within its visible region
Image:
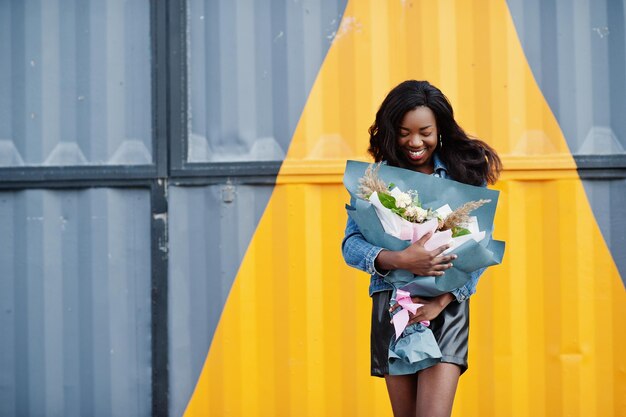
[451, 330]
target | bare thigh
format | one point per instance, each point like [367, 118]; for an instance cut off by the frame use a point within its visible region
[436, 387]
[402, 391]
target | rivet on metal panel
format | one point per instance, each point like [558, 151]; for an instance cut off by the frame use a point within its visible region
[228, 192]
[602, 31]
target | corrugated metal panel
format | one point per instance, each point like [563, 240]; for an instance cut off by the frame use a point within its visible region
[75, 85]
[75, 303]
[547, 330]
[290, 341]
[251, 67]
[547, 335]
[210, 229]
[608, 201]
[577, 52]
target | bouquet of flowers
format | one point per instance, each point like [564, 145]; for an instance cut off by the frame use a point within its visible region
[393, 219]
[403, 216]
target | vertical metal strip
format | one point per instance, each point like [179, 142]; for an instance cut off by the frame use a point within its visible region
[159, 316]
[167, 86]
[163, 89]
[165, 93]
[159, 42]
[177, 78]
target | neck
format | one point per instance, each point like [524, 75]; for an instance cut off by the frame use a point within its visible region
[428, 170]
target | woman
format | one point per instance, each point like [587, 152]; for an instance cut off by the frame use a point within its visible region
[415, 129]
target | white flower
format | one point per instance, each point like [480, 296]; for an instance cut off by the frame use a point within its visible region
[421, 214]
[411, 211]
[417, 213]
[403, 200]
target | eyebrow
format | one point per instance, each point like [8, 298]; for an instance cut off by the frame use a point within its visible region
[421, 128]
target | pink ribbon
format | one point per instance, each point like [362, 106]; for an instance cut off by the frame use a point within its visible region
[401, 319]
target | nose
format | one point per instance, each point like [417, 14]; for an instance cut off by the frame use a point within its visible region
[416, 140]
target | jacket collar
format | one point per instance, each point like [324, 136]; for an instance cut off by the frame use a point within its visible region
[439, 167]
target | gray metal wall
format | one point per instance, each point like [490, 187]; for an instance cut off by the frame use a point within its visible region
[75, 302]
[76, 280]
[78, 89]
[74, 82]
[577, 52]
[210, 228]
[251, 65]
[88, 242]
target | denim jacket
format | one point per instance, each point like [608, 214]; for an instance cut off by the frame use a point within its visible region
[360, 254]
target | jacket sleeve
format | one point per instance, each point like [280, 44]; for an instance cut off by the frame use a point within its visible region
[466, 291]
[358, 252]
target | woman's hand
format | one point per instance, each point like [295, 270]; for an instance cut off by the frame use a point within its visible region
[416, 259]
[430, 310]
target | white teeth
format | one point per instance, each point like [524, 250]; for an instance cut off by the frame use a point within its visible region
[417, 153]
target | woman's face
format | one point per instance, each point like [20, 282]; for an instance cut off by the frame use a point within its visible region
[418, 139]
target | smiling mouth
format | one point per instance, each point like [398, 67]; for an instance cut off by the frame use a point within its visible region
[416, 154]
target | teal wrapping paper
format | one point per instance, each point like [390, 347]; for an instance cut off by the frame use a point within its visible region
[417, 348]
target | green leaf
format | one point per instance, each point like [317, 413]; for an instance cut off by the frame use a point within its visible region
[391, 186]
[387, 200]
[459, 231]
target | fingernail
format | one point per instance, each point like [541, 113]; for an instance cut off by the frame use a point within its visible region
[450, 265]
[454, 256]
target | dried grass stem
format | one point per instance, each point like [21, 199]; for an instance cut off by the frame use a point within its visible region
[370, 182]
[460, 216]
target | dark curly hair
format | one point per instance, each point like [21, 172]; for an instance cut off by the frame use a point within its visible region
[469, 160]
